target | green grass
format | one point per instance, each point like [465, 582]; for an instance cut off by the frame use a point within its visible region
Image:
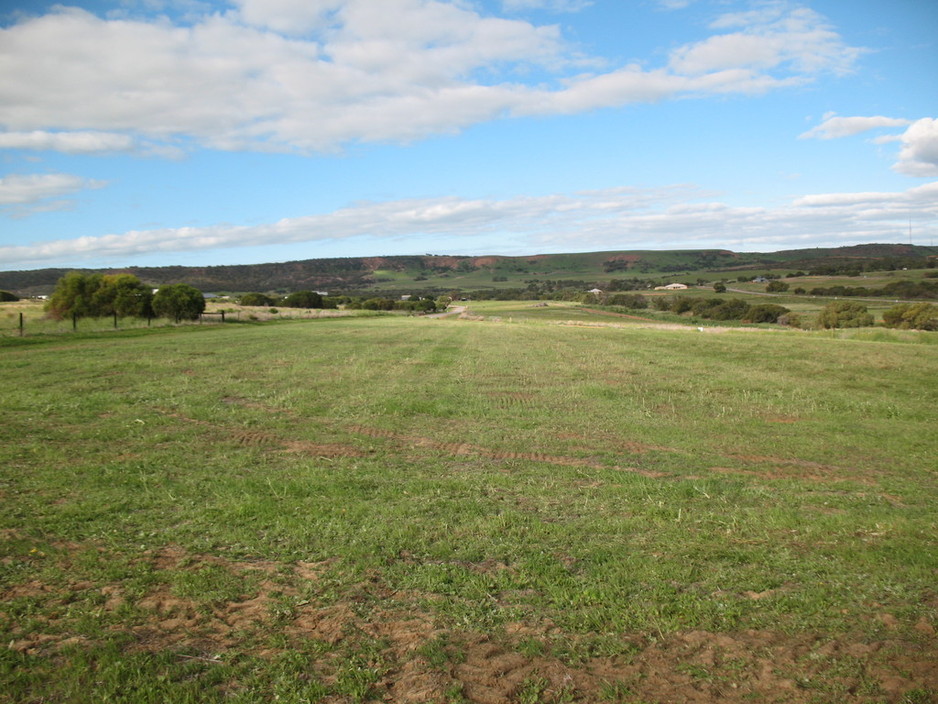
[334, 510]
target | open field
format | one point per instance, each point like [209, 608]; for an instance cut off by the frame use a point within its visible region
[538, 504]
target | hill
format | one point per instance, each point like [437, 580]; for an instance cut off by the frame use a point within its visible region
[427, 272]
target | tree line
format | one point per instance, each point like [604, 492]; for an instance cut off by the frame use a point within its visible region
[80, 295]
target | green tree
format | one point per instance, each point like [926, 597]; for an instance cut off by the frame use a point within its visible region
[912, 316]
[719, 287]
[765, 313]
[74, 296]
[776, 287]
[303, 299]
[179, 302]
[123, 295]
[256, 299]
[844, 314]
[6, 297]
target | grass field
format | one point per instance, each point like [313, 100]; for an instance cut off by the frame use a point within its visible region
[531, 505]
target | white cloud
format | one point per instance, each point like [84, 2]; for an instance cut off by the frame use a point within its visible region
[312, 75]
[680, 216]
[773, 38]
[67, 142]
[24, 189]
[836, 127]
[919, 154]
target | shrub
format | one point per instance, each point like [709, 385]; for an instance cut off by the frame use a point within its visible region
[256, 299]
[628, 300]
[7, 297]
[303, 299]
[179, 302]
[765, 313]
[719, 287]
[844, 314]
[792, 320]
[776, 287]
[912, 316]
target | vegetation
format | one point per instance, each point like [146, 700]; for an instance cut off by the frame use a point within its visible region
[96, 295]
[438, 274]
[7, 297]
[179, 302]
[722, 309]
[302, 299]
[343, 510]
[844, 314]
[915, 316]
[895, 289]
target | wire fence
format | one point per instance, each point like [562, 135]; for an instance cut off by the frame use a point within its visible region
[23, 324]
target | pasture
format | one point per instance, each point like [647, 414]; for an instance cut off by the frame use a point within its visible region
[532, 505]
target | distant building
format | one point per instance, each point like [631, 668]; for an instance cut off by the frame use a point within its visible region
[671, 287]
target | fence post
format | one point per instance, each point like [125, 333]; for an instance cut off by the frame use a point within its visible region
[74, 321]
[222, 316]
[115, 320]
[21, 324]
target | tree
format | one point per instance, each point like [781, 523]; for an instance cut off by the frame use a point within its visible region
[303, 299]
[844, 314]
[7, 297]
[256, 299]
[95, 295]
[179, 302]
[912, 316]
[765, 313]
[776, 287]
[74, 295]
[719, 287]
[122, 295]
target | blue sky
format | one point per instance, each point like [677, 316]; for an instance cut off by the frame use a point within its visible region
[192, 132]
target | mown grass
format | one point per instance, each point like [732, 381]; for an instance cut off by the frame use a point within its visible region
[317, 510]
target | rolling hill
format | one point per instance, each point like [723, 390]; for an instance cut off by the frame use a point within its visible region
[428, 272]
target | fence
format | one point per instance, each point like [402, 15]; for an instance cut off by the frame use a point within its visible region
[17, 324]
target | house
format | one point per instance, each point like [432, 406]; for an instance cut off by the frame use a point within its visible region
[595, 291]
[671, 287]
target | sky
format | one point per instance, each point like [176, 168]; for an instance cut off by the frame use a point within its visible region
[208, 132]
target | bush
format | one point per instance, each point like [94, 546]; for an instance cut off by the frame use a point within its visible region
[179, 302]
[765, 313]
[844, 314]
[776, 287]
[256, 299]
[719, 287]
[7, 297]
[912, 316]
[303, 299]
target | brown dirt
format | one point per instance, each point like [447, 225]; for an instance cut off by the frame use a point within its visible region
[462, 448]
[693, 667]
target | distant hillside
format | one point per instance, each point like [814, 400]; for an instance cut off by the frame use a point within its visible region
[472, 273]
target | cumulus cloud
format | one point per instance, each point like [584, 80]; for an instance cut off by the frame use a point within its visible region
[679, 216]
[919, 153]
[835, 127]
[313, 75]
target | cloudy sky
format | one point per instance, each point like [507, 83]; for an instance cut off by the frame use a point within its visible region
[199, 132]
